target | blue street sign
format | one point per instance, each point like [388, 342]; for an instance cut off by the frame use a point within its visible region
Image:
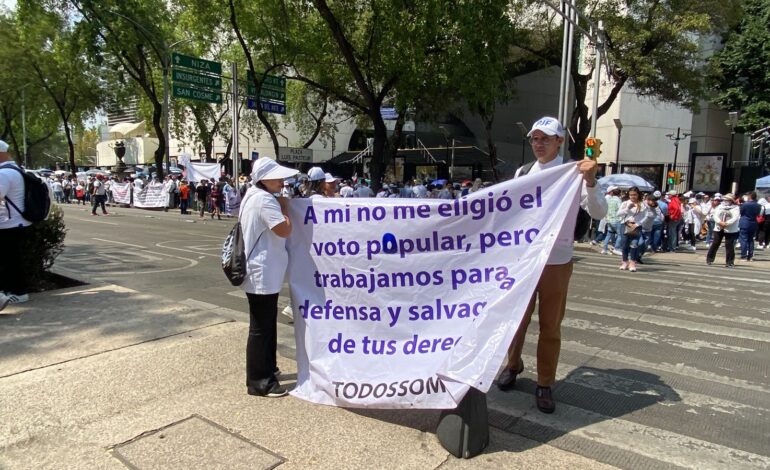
[267, 106]
[254, 155]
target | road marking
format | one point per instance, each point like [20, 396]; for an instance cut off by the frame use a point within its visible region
[162, 245]
[703, 275]
[679, 369]
[605, 382]
[654, 443]
[119, 243]
[648, 336]
[93, 221]
[739, 319]
[671, 322]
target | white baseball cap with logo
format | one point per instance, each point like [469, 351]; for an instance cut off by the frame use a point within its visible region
[268, 169]
[548, 126]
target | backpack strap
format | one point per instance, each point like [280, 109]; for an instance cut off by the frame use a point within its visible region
[21, 172]
[526, 168]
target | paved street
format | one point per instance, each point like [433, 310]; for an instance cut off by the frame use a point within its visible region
[663, 368]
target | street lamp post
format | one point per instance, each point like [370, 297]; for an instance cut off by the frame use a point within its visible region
[679, 136]
[619, 125]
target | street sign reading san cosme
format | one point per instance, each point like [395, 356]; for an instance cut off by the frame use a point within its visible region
[195, 63]
[209, 96]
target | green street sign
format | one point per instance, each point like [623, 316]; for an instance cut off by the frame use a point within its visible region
[207, 81]
[270, 82]
[267, 93]
[208, 96]
[201, 65]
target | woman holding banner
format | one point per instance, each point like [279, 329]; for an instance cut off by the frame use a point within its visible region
[265, 225]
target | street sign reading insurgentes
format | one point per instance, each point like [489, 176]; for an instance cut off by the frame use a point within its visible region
[196, 94]
[200, 65]
[206, 81]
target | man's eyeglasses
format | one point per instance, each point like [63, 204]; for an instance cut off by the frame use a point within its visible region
[540, 140]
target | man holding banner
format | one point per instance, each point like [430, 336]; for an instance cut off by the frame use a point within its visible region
[546, 137]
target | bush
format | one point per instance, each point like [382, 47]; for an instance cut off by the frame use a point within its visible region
[44, 243]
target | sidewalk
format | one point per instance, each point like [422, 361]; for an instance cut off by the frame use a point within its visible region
[102, 376]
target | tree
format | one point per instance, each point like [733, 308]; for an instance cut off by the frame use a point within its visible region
[132, 37]
[54, 51]
[654, 48]
[18, 92]
[739, 72]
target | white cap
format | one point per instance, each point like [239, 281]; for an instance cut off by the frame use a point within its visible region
[656, 195]
[316, 174]
[329, 178]
[692, 201]
[267, 169]
[687, 194]
[718, 196]
[612, 188]
[672, 192]
[3, 146]
[547, 125]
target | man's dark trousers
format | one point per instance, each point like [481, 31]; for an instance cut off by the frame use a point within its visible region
[13, 279]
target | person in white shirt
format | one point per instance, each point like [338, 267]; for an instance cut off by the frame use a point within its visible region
[99, 196]
[419, 189]
[346, 190]
[13, 231]
[546, 137]
[364, 190]
[694, 218]
[726, 217]
[634, 215]
[265, 225]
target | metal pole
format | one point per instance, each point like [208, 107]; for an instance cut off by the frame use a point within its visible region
[166, 129]
[452, 168]
[676, 146]
[568, 73]
[617, 152]
[236, 163]
[564, 66]
[597, 67]
[24, 130]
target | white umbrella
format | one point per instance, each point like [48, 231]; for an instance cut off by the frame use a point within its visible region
[625, 181]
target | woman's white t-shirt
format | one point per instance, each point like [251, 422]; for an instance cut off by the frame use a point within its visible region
[266, 251]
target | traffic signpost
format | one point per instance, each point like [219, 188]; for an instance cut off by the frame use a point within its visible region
[209, 96]
[196, 79]
[272, 93]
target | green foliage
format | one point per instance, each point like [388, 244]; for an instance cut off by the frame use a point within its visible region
[44, 243]
[741, 71]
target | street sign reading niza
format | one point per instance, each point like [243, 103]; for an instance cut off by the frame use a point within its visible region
[206, 81]
[209, 96]
[200, 65]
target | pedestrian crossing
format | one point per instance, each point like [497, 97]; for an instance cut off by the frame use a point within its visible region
[663, 368]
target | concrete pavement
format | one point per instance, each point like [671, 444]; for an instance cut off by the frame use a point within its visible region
[102, 376]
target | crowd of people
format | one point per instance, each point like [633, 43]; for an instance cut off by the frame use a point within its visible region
[638, 223]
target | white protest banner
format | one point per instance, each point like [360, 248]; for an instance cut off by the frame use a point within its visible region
[406, 303]
[200, 171]
[121, 192]
[150, 196]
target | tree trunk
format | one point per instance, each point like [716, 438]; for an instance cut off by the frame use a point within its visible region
[489, 120]
[157, 117]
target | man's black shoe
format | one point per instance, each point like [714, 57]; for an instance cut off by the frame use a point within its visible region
[507, 379]
[544, 399]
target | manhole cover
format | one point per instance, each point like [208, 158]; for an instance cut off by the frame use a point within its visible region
[194, 442]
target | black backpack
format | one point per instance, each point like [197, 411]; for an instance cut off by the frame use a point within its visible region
[37, 199]
[583, 222]
[234, 256]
